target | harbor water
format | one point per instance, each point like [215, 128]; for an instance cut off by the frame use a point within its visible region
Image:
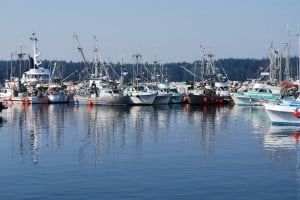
[146, 152]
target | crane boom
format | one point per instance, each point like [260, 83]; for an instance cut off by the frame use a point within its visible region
[86, 64]
[191, 73]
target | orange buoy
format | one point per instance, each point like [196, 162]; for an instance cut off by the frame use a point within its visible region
[296, 113]
[185, 100]
[44, 100]
[26, 100]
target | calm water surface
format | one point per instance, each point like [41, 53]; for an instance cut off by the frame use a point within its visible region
[163, 152]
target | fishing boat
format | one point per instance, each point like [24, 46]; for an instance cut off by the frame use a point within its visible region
[35, 80]
[57, 92]
[222, 90]
[266, 87]
[205, 91]
[283, 113]
[203, 95]
[257, 95]
[163, 96]
[36, 75]
[97, 87]
[176, 97]
[106, 96]
[139, 96]
[13, 92]
[7, 95]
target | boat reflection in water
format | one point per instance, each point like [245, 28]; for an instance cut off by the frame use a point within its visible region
[281, 137]
[1, 121]
[168, 148]
[283, 144]
[41, 128]
[107, 129]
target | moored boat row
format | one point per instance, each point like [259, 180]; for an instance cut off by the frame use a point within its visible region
[38, 85]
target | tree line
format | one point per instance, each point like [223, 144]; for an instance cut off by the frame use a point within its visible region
[235, 68]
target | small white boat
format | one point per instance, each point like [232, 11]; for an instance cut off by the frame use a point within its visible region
[163, 96]
[8, 96]
[282, 113]
[257, 95]
[176, 97]
[222, 90]
[136, 96]
[56, 94]
[104, 96]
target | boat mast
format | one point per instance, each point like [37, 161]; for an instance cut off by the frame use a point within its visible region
[36, 54]
[100, 68]
[287, 59]
[136, 74]
[275, 64]
[202, 64]
[298, 35]
[96, 59]
[87, 71]
[210, 68]
[20, 55]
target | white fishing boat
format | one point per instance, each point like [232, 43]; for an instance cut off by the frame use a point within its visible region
[222, 90]
[98, 88]
[98, 94]
[57, 94]
[104, 96]
[283, 112]
[136, 96]
[176, 97]
[34, 81]
[163, 96]
[10, 96]
[36, 73]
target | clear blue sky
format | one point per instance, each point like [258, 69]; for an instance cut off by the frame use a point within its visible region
[163, 30]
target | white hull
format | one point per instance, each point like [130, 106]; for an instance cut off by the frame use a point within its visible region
[141, 98]
[281, 114]
[60, 98]
[162, 98]
[26, 100]
[102, 100]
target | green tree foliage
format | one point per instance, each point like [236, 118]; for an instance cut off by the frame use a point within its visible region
[236, 69]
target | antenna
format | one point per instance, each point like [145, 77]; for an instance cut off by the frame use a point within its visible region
[298, 35]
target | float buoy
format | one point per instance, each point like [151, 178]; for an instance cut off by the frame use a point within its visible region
[296, 113]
